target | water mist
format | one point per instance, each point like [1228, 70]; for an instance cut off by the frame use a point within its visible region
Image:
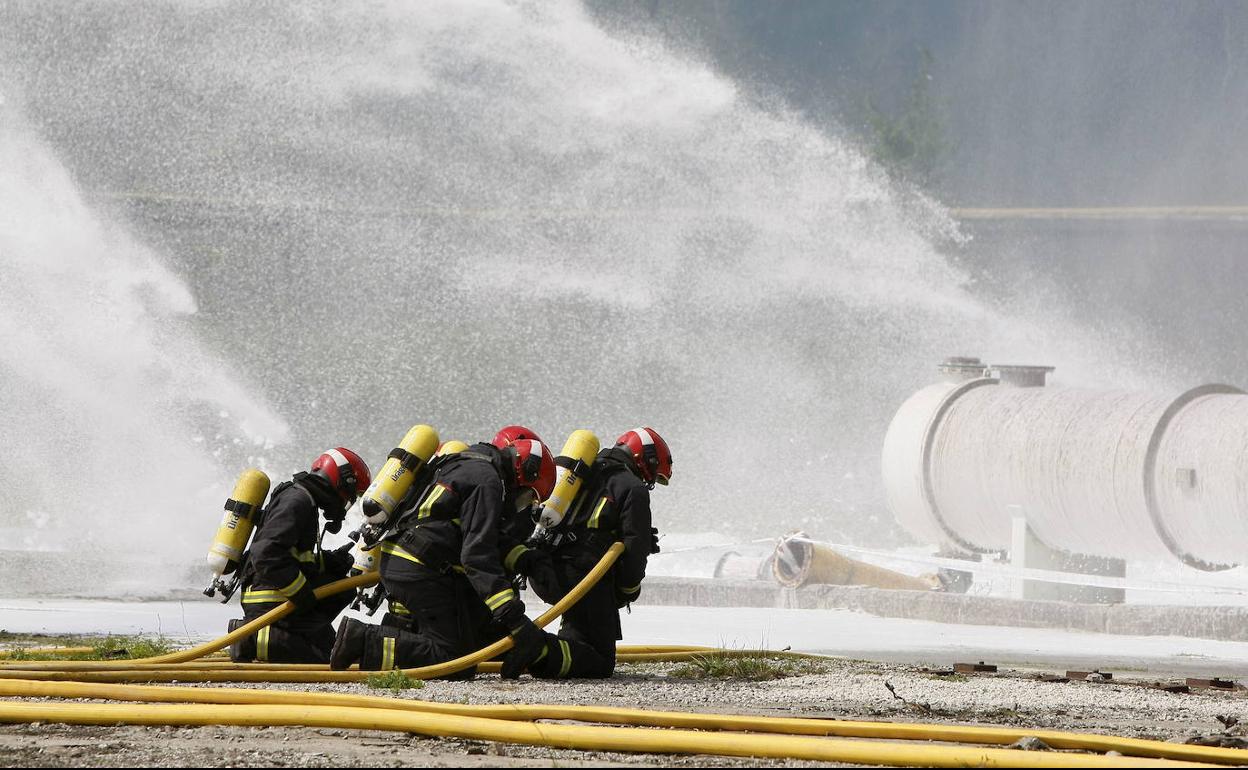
[465, 214]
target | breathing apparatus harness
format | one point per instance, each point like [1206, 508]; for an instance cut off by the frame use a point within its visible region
[400, 525]
[322, 496]
[572, 529]
[572, 533]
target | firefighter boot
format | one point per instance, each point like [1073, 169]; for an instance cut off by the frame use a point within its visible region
[244, 650]
[348, 644]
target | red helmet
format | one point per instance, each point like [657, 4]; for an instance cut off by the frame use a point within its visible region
[511, 434]
[535, 467]
[346, 471]
[650, 452]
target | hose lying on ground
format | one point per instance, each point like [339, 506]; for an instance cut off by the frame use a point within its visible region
[782, 728]
[45, 651]
[193, 653]
[635, 717]
[624, 739]
[125, 671]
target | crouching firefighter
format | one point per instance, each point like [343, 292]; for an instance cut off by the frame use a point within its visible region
[368, 538]
[612, 505]
[443, 564]
[286, 562]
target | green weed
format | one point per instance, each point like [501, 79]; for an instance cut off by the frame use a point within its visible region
[395, 681]
[755, 668]
[102, 648]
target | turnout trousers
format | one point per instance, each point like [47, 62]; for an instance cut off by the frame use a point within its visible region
[451, 619]
[304, 636]
[588, 631]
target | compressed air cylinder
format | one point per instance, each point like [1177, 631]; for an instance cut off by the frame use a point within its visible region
[240, 519]
[398, 473]
[451, 447]
[365, 559]
[571, 464]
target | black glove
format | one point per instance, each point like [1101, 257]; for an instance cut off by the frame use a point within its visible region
[333, 526]
[339, 560]
[529, 647]
[539, 568]
[654, 540]
[623, 599]
[304, 598]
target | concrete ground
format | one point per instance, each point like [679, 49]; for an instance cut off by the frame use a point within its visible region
[834, 632]
[845, 689]
[876, 653]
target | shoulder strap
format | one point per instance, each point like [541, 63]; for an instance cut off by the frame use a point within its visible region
[277, 491]
[421, 486]
[591, 489]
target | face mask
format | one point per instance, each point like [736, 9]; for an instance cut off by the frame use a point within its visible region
[525, 499]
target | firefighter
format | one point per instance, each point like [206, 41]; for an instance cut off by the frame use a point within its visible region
[445, 565]
[613, 506]
[286, 562]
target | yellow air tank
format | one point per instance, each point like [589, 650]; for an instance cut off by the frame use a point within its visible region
[451, 447]
[571, 465]
[398, 473]
[241, 509]
[365, 559]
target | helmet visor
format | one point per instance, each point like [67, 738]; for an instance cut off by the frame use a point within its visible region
[526, 498]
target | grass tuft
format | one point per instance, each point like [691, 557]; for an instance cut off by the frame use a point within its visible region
[754, 668]
[106, 648]
[131, 647]
[395, 681]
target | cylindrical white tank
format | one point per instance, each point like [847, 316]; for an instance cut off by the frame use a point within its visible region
[1104, 473]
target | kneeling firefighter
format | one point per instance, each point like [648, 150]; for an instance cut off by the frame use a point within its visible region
[444, 564]
[613, 504]
[367, 552]
[286, 562]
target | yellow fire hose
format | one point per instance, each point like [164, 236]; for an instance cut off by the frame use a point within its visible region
[634, 717]
[205, 666]
[626, 653]
[45, 651]
[193, 653]
[166, 668]
[125, 671]
[623, 739]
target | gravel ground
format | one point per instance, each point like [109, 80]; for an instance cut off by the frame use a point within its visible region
[848, 690]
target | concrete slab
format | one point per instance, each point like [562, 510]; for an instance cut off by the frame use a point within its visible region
[1204, 622]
